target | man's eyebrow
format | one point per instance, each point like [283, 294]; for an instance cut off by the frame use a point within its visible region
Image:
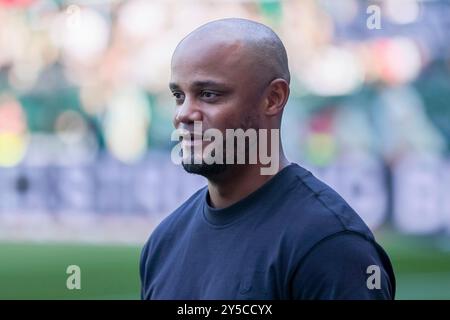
[173, 86]
[199, 84]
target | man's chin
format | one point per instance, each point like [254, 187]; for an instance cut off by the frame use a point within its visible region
[206, 170]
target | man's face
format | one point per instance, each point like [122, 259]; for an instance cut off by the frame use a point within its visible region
[214, 82]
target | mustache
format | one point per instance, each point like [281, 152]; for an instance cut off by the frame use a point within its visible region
[187, 135]
[188, 132]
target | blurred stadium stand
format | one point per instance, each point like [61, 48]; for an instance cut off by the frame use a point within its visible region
[85, 114]
[85, 123]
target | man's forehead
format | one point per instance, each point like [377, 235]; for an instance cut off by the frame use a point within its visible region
[208, 56]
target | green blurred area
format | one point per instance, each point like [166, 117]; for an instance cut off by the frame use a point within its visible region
[421, 264]
[38, 271]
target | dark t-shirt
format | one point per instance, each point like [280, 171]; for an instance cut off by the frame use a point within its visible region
[293, 238]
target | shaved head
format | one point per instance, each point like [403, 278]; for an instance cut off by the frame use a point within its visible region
[229, 74]
[259, 41]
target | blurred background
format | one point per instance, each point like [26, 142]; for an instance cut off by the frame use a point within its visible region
[85, 123]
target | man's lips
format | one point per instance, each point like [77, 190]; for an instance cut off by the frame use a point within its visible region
[191, 139]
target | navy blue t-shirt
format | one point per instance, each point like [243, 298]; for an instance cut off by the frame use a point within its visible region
[293, 238]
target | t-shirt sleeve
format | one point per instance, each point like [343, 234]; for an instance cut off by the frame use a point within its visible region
[344, 266]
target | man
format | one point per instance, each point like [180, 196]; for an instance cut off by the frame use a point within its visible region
[249, 235]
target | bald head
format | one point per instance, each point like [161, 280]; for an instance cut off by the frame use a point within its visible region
[230, 74]
[257, 43]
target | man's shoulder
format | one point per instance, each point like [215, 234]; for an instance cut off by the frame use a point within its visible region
[322, 223]
[316, 211]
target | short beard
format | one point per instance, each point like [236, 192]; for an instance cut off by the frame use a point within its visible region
[215, 170]
[208, 171]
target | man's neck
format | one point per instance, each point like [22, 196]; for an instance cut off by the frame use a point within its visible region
[238, 182]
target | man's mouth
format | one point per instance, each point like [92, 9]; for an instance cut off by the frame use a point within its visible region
[191, 139]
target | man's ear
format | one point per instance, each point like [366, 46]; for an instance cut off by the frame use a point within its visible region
[277, 96]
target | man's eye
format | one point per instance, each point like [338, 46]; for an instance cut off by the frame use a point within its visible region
[208, 94]
[177, 95]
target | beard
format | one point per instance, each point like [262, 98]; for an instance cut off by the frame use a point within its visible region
[204, 169]
[215, 170]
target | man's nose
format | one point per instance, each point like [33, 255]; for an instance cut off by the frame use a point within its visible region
[187, 113]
